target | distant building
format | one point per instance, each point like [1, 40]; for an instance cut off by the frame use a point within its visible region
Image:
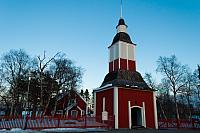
[123, 93]
[70, 105]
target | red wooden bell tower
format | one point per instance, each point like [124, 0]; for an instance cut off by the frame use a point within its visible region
[124, 94]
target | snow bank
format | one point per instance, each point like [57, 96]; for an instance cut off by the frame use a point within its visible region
[53, 130]
[2, 130]
[14, 130]
[18, 130]
[74, 130]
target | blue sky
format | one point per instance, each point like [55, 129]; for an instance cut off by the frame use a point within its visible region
[83, 29]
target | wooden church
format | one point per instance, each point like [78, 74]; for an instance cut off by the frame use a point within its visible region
[123, 93]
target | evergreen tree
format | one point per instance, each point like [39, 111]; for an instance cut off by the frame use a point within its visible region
[82, 93]
[87, 95]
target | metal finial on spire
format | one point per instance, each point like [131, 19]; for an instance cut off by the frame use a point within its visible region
[121, 9]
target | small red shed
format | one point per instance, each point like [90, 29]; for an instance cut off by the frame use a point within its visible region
[123, 93]
[71, 105]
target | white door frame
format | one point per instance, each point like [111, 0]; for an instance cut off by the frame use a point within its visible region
[142, 114]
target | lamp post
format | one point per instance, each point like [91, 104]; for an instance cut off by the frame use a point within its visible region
[30, 75]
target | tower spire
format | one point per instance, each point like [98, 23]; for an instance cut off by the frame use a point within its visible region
[121, 27]
[121, 9]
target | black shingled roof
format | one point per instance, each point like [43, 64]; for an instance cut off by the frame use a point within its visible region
[124, 78]
[122, 36]
[121, 22]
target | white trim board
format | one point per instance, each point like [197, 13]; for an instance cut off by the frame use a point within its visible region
[116, 107]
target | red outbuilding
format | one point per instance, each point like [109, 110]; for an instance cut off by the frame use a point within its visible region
[123, 93]
[70, 104]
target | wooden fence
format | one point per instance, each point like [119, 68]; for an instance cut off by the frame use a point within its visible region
[52, 122]
[183, 124]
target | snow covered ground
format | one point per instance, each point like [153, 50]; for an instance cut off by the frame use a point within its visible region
[18, 130]
[74, 130]
[53, 130]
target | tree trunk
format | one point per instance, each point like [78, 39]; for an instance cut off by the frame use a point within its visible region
[34, 111]
[64, 103]
[162, 110]
[46, 107]
[7, 106]
[41, 94]
[177, 111]
[12, 108]
[190, 112]
[18, 109]
[12, 104]
[54, 110]
[49, 98]
[55, 105]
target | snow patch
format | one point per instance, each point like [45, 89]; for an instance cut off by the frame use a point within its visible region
[18, 130]
[2, 130]
[73, 130]
[54, 130]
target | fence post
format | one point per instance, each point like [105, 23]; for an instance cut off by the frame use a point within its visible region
[178, 123]
[58, 121]
[25, 122]
[193, 121]
[85, 121]
[167, 123]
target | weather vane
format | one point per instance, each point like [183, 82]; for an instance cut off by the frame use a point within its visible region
[121, 9]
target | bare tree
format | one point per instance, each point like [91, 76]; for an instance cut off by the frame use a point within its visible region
[2, 88]
[173, 72]
[43, 63]
[50, 89]
[51, 77]
[189, 89]
[67, 75]
[196, 82]
[3, 99]
[15, 65]
[150, 81]
[152, 84]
